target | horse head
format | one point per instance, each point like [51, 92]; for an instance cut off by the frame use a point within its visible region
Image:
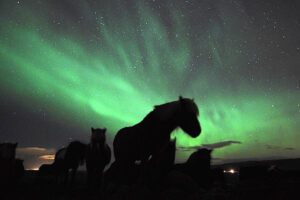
[98, 135]
[188, 119]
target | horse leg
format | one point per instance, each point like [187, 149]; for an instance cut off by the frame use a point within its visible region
[100, 177]
[66, 177]
[90, 176]
[74, 169]
[143, 171]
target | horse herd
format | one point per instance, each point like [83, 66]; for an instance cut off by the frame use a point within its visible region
[144, 158]
[96, 154]
[147, 142]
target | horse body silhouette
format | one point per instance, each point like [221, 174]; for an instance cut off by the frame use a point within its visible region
[98, 155]
[152, 134]
[75, 156]
[68, 158]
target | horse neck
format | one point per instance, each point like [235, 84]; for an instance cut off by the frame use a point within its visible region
[97, 144]
[163, 127]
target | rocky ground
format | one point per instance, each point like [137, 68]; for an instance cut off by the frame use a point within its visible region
[284, 186]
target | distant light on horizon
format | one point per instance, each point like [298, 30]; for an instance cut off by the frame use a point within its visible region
[230, 171]
[33, 169]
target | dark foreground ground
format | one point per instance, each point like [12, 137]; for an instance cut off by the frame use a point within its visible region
[285, 185]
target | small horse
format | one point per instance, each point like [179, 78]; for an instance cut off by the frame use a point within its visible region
[69, 158]
[98, 155]
[60, 154]
[57, 170]
[152, 134]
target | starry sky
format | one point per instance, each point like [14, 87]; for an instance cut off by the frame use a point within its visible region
[68, 65]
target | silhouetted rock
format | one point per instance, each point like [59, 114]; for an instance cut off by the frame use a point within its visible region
[253, 172]
[198, 167]
[7, 163]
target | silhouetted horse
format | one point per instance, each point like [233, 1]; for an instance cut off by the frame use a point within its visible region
[152, 134]
[98, 155]
[60, 154]
[69, 158]
[7, 160]
[75, 156]
[58, 169]
[198, 167]
[59, 165]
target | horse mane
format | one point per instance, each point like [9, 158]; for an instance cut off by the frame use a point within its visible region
[165, 111]
[60, 154]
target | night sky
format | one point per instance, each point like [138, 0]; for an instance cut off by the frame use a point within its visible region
[68, 65]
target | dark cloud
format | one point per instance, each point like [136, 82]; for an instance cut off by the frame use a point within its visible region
[220, 144]
[279, 148]
[246, 159]
[272, 147]
[289, 148]
[209, 146]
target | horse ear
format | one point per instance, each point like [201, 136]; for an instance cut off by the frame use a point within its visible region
[92, 129]
[180, 98]
[104, 130]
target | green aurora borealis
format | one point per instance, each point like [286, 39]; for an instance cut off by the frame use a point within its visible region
[108, 64]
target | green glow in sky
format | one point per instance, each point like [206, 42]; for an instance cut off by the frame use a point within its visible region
[113, 73]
